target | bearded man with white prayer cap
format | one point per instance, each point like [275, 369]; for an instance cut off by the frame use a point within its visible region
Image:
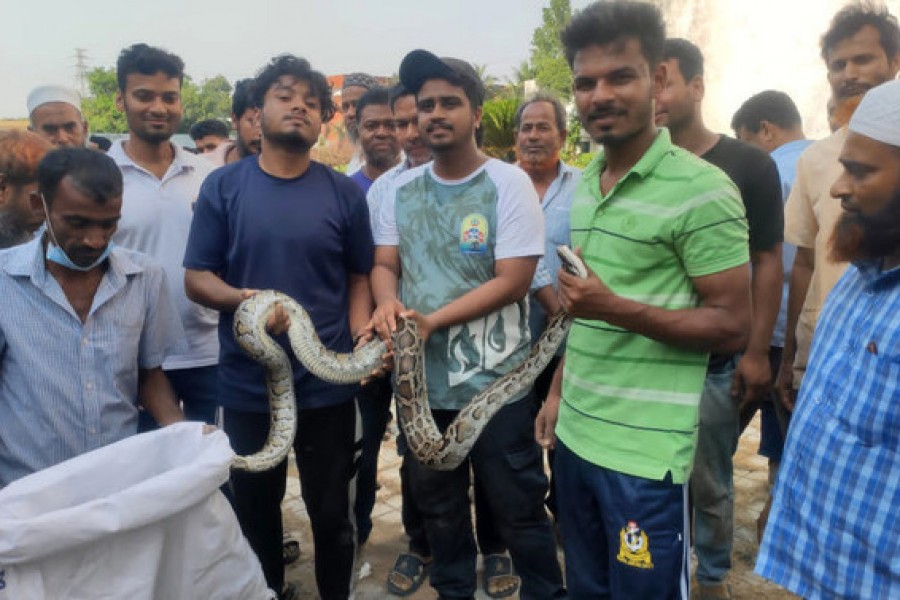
[834, 526]
[55, 113]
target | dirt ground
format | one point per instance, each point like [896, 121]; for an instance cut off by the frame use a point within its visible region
[388, 540]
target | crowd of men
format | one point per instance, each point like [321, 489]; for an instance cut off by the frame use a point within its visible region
[726, 276]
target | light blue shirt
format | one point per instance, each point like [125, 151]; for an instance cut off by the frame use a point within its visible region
[785, 157]
[556, 204]
[68, 387]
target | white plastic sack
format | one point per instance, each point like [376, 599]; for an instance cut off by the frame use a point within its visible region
[142, 519]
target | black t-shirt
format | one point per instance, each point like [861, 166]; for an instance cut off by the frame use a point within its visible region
[756, 176]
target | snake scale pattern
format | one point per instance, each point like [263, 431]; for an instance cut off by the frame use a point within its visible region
[439, 451]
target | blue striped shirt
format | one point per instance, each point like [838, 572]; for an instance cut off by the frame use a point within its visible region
[68, 387]
[555, 205]
[834, 528]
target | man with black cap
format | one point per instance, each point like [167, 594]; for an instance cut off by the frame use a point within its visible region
[466, 231]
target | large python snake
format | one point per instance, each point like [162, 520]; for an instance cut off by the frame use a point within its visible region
[439, 451]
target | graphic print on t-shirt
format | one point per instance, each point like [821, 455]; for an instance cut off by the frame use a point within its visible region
[473, 235]
[482, 344]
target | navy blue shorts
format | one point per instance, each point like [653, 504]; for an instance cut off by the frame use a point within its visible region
[624, 536]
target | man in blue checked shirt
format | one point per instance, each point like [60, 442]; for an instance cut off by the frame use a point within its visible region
[84, 326]
[834, 529]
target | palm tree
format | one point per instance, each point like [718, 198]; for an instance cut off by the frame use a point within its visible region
[489, 82]
[515, 85]
[498, 121]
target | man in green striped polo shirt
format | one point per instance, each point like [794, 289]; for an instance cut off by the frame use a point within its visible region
[664, 236]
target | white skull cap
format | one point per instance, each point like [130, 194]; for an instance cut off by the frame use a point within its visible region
[52, 93]
[878, 115]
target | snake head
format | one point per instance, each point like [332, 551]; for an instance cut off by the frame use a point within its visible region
[570, 262]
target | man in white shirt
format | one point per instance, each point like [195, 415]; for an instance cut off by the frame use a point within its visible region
[162, 182]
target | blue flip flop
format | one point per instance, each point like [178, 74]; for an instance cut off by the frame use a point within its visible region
[498, 578]
[408, 574]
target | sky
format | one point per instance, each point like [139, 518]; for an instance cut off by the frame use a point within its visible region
[749, 46]
[39, 38]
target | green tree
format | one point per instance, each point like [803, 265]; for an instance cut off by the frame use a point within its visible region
[490, 82]
[100, 106]
[498, 119]
[209, 100]
[548, 59]
[515, 85]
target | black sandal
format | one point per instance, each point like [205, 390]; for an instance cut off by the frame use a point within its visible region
[408, 574]
[499, 581]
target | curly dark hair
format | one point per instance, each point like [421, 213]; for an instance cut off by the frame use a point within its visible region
[147, 60]
[604, 23]
[242, 98]
[853, 17]
[298, 68]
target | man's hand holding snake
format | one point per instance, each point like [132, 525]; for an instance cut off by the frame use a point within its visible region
[585, 297]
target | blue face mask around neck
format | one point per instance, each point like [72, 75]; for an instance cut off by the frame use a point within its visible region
[57, 255]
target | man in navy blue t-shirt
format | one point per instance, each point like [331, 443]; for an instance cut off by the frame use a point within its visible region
[377, 132]
[281, 221]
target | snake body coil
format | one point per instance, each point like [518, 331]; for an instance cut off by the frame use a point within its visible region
[438, 451]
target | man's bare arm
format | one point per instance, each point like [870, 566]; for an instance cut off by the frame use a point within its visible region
[753, 375]
[156, 395]
[721, 324]
[208, 289]
[545, 423]
[801, 275]
[546, 296]
[512, 278]
[384, 279]
[359, 302]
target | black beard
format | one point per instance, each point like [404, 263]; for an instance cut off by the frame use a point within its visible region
[12, 233]
[858, 237]
[382, 162]
[152, 137]
[244, 150]
[292, 142]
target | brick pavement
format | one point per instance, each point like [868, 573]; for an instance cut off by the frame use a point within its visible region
[387, 539]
